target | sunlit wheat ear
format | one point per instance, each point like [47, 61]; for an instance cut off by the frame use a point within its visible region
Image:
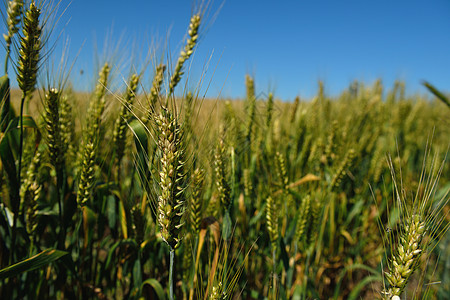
[120, 126]
[89, 150]
[14, 13]
[86, 181]
[67, 126]
[196, 202]
[30, 191]
[250, 106]
[186, 52]
[406, 260]
[294, 109]
[223, 187]
[97, 104]
[314, 220]
[282, 172]
[272, 221]
[331, 146]
[302, 214]
[52, 126]
[218, 293]
[173, 177]
[269, 111]
[421, 225]
[29, 51]
[156, 86]
[248, 184]
[341, 171]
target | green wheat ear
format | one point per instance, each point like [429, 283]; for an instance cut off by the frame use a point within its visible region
[303, 213]
[221, 174]
[53, 128]
[120, 127]
[186, 53]
[250, 106]
[67, 125]
[156, 85]
[86, 181]
[272, 221]
[14, 13]
[198, 179]
[30, 191]
[29, 51]
[97, 105]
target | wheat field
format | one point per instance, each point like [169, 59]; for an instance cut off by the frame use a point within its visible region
[141, 192]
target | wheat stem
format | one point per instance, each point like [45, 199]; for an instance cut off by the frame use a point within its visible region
[172, 257]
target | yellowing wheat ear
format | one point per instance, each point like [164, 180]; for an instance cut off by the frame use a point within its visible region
[173, 178]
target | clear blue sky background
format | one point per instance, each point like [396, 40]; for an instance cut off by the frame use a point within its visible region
[287, 45]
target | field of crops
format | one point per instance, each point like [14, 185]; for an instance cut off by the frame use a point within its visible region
[141, 192]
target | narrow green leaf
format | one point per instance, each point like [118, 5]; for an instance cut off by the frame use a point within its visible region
[226, 226]
[283, 254]
[254, 220]
[111, 211]
[4, 102]
[351, 268]
[156, 287]
[137, 272]
[28, 122]
[436, 92]
[357, 289]
[32, 263]
[140, 133]
[8, 161]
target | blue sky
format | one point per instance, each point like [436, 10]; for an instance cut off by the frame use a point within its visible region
[286, 45]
